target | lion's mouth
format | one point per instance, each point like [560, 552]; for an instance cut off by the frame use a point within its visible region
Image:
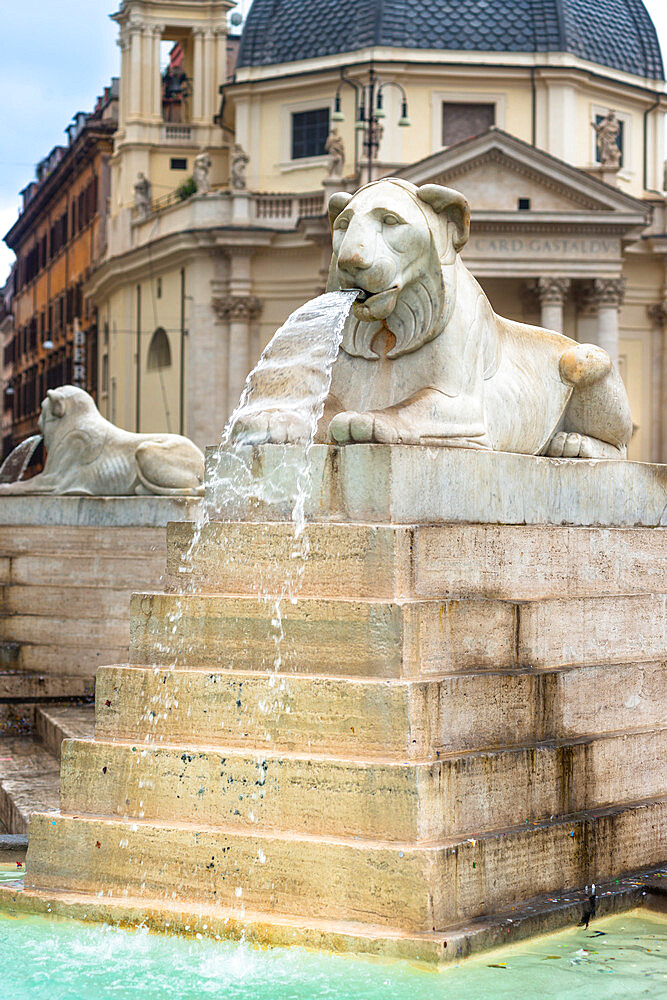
[374, 305]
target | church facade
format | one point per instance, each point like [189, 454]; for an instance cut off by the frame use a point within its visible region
[549, 119]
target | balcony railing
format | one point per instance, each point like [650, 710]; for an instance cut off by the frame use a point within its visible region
[287, 208]
[177, 133]
[273, 211]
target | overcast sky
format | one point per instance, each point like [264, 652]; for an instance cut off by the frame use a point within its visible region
[57, 57]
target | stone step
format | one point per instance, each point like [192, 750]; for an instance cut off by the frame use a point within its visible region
[402, 484]
[82, 661]
[366, 716]
[63, 722]
[118, 571]
[76, 539]
[338, 637]
[394, 638]
[412, 888]
[23, 686]
[91, 603]
[501, 562]
[395, 800]
[29, 782]
[61, 629]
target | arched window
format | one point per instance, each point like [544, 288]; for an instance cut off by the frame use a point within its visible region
[159, 352]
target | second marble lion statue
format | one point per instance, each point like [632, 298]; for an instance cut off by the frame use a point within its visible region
[88, 455]
[424, 358]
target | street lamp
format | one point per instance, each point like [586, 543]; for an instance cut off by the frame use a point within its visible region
[369, 111]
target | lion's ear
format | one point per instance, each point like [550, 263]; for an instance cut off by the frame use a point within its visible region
[337, 202]
[446, 201]
[57, 402]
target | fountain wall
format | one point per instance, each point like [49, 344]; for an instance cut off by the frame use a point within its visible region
[465, 716]
[68, 566]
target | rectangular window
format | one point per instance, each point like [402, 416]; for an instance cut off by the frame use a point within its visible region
[463, 121]
[309, 133]
[178, 163]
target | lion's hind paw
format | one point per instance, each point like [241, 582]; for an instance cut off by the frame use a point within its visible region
[566, 444]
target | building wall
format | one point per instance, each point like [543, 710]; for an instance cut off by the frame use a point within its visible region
[566, 102]
[53, 264]
[550, 99]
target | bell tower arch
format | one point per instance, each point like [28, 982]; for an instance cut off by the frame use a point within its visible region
[173, 60]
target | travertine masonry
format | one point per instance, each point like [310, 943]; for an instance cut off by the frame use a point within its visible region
[459, 716]
[68, 566]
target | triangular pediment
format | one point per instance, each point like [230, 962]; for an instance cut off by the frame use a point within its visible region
[494, 170]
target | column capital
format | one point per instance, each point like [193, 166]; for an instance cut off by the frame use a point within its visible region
[238, 307]
[552, 291]
[609, 291]
[198, 32]
[586, 299]
[658, 313]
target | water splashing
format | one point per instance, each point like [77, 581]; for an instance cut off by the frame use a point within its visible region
[283, 399]
[18, 460]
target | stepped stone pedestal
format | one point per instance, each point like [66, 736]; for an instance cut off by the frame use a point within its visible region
[465, 714]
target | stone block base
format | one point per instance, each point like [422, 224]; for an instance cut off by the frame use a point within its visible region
[68, 566]
[458, 717]
[404, 484]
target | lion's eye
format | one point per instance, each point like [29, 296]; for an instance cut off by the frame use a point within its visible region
[390, 220]
[342, 224]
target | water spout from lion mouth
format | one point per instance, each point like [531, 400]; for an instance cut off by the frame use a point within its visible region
[369, 306]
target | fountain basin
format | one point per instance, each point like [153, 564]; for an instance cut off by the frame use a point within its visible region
[41, 954]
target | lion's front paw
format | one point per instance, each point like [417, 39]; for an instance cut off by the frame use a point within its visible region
[372, 426]
[271, 426]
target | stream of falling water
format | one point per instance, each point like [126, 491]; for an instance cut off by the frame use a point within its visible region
[283, 396]
[287, 390]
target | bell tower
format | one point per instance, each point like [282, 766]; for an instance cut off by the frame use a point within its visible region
[173, 60]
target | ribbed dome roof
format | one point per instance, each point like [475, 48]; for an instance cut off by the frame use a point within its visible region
[615, 33]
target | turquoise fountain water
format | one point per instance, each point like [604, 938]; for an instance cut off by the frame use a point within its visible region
[620, 958]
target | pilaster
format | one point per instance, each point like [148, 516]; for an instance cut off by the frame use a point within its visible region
[239, 311]
[658, 316]
[609, 293]
[551, 293]
[198, 74]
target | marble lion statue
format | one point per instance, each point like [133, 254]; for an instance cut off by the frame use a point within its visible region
[88, 455]
[425, 360]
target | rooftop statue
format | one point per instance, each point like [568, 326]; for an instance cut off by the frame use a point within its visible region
[88, 455]
[239, 161]
[335, 147]
[424, 358]
[201, 173]
[143, 195]
[606, 137]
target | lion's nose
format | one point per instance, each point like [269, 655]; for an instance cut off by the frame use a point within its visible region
[354, 256]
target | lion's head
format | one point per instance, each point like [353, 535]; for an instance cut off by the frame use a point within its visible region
[397, 244]
[66, 401]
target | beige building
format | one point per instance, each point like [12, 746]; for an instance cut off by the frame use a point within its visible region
[568, 201]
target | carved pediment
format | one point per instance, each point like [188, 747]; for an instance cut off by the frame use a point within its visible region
[494, 170]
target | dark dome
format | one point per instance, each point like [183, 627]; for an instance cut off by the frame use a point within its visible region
[615, 33]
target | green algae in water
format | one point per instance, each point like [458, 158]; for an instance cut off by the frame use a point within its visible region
[42, 959]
